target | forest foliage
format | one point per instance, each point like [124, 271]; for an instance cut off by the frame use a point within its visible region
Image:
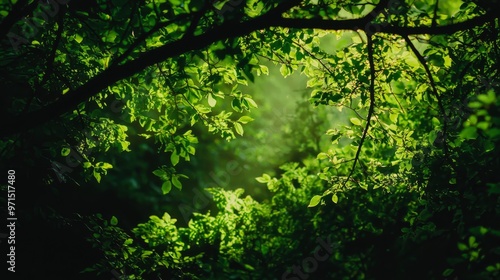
[386, 167]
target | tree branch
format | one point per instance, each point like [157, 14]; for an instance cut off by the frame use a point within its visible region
[362, 23]
[142, 38]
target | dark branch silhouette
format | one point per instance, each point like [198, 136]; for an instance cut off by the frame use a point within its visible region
[422, 61]
[370, 109]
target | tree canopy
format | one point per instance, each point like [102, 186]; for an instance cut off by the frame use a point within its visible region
[153, 114]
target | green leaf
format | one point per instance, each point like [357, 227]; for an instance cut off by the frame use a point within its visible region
[486, 98]
[299, 55]
[394, 118]
[261, 180]
[322, 156]
[166, 187]
[211, 100]
[284, 70]
[176, 182]
[483, 125]
[264, 179]
[314, 201]
[113, 221]
[435, 121]
[249, 267]
[160, 173]
[236, 104]
[239, 128]
[146, 253]
[264, 69]
[97, 176]
[335, 137]
[286, 48]
[174, 158]
[203, 109]
[493, 132]
[106, 165]
[432, 136]
[78, 38]
[475, 104]
[111, 36]
[128, 241]
[335, 198]
[469, 133]
[65, 152]
[87, 164]
[472, 241]
[355, 121]
[252, 102]
[245, 119]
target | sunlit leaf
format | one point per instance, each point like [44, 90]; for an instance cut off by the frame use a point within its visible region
[160, 173]
[394, 118]
[322, 156]
[284, 70]
[97, 176]
[65, 152]
[211, 100]
[261, 180]
[176, 182]
[314, 201]
[166, 187]
[469, 133]
[78, 38]
[355, 121]
[251, 102]
[239, 128]
[174, 158]
[245, 119]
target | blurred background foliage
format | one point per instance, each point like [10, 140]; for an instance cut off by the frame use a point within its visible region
[202, 166]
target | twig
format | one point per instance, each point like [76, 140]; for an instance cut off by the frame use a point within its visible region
[372, 105]
[313, 56]
[435, 14]
[434, 91]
